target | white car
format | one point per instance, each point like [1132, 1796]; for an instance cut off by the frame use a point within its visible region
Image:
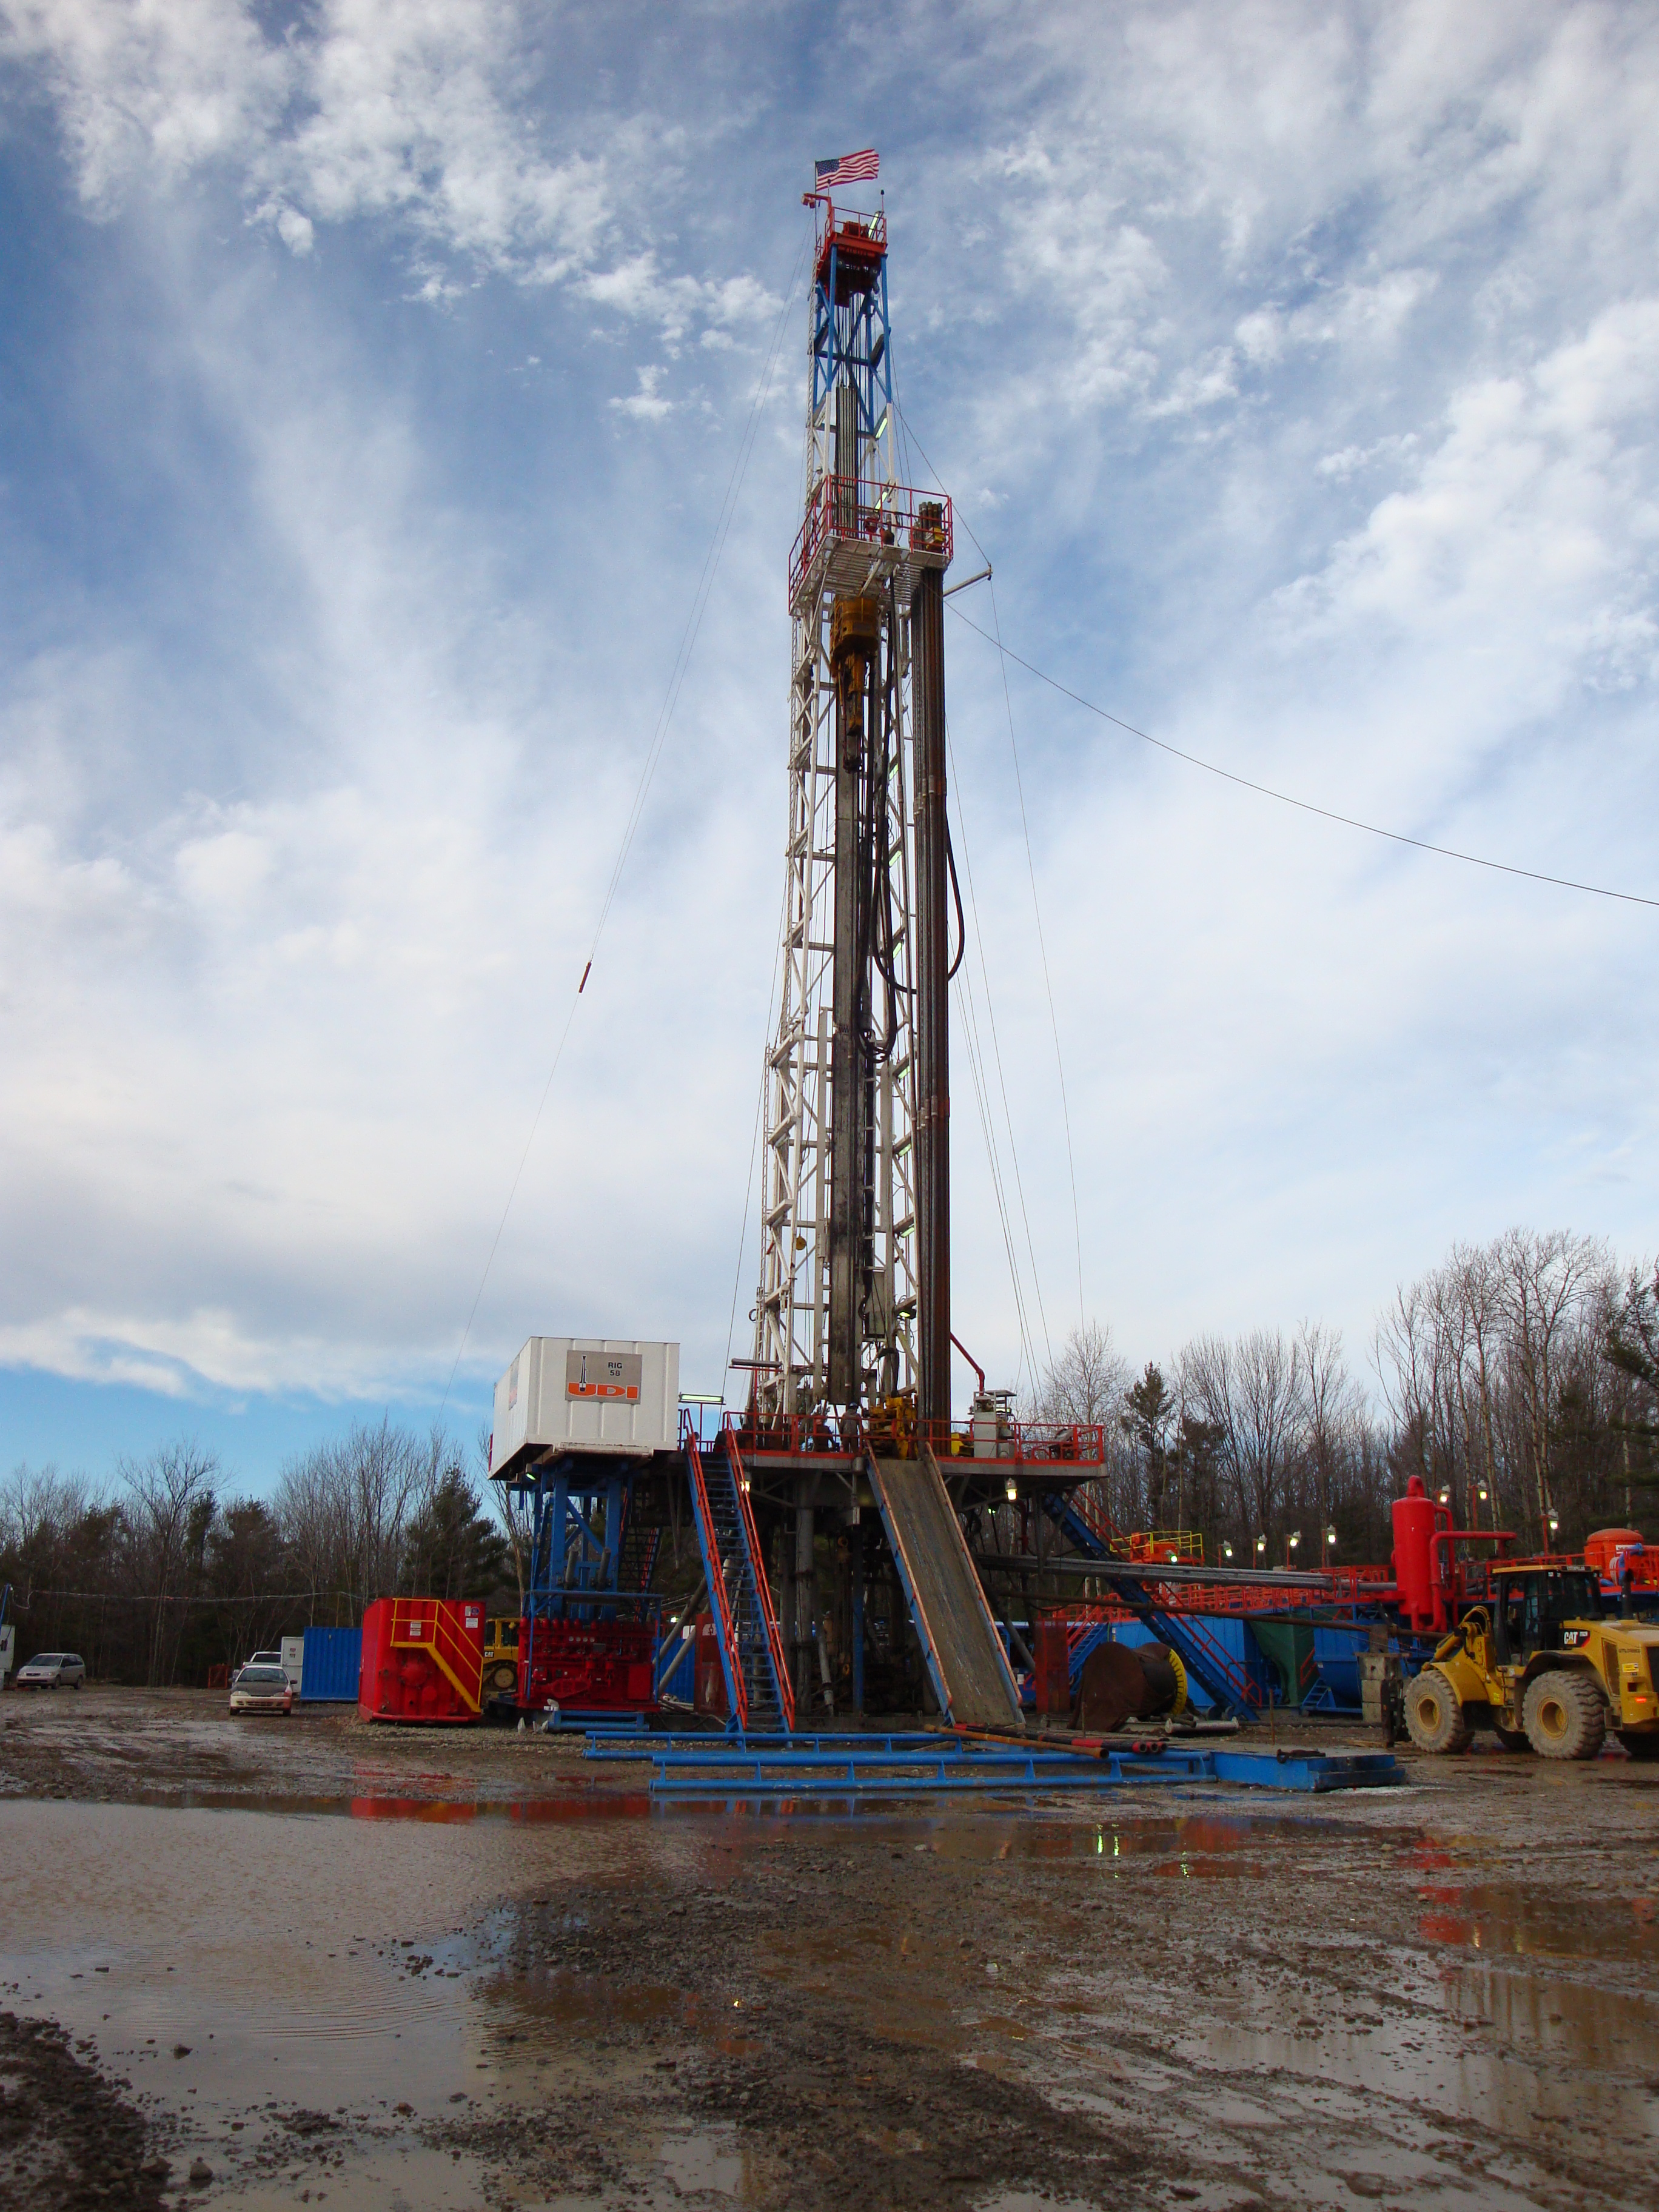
[261, 1690]
[52, 1670]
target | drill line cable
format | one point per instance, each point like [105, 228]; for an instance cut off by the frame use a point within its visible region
[1286, 798]
[910, 439]
[1043, 948]
[1002, 1081]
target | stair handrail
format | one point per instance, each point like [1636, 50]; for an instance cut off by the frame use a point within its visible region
[1244, 1692]
[758, 1575]
[737, 1690]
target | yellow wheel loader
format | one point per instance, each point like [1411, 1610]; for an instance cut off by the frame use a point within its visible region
[500, 1657]
[1541, 1668]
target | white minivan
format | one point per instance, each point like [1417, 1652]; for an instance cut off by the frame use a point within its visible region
[52, 1670]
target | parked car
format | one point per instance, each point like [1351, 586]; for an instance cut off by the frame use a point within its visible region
[52, 1670]
[261, 1690]
[265, 1659]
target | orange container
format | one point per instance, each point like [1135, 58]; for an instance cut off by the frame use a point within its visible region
[423, 1661]
[1611, 1551]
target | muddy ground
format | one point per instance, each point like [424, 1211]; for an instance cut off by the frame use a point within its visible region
[305, 1961]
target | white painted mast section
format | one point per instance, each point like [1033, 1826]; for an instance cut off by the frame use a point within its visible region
[860, 537]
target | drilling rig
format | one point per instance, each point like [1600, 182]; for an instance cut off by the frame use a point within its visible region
[853, 1307]
[830, 1484]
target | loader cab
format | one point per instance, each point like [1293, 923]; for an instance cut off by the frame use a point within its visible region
[1532, 1607]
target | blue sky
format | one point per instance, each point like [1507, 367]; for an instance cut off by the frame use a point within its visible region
[371, 378]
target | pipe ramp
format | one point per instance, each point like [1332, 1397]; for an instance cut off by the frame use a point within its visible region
[969, 1669]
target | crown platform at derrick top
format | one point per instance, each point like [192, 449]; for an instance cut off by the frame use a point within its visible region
[861, 526]
[851, 250]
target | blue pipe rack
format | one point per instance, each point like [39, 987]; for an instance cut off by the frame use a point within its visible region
[863, 1766]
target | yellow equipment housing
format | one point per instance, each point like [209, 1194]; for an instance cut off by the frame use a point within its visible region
[1541, 1668]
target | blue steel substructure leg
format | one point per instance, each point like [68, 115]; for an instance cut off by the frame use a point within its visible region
[856, 1552]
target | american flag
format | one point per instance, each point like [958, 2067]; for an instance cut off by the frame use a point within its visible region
[850, 169]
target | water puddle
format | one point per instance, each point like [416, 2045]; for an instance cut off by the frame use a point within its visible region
[529, 1812]
[298, 1999]
[301, 1994]
[1510, 1920]
[1590, 2027]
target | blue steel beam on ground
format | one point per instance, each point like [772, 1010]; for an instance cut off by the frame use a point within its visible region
[1315, 1772]
[809, 1762]
[940, 1764]
[677, 1745]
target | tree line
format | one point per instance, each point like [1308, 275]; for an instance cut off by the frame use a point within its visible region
[1519, 1379]
[171, 1571]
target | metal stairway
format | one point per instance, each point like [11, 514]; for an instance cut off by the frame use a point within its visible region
[1192, 1638]
[641, 1543]
[759, 1695]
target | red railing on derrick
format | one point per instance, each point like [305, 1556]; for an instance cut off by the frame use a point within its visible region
[1065, 1444]
[851, 236]
[763, 1587]
[841, 508]
[1029, 1443]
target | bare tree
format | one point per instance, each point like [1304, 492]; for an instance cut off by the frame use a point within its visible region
[1543, 1282]
[1476, 1277]
[510, 1509]
[166, 1494]
[1086, 1383]
[344, 1509]
[1331, 1410]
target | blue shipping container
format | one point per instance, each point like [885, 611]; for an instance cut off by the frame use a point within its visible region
[333, 1660]
[1336, 1652]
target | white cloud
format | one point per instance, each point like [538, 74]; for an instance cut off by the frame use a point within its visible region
[156, 87]
[646, 405]
[1305, 359]
[295, 230]
[1531, 521]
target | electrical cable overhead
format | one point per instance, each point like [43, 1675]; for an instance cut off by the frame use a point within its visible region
[1048, 984]
[1286, 798]
[1002, 1082]
[1036, 908]
[653, 753]
[754, 1148]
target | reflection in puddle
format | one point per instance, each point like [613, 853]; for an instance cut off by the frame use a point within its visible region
[1594, 2027]
[1509, 1920]
[579, 1806]
[1425, 2062]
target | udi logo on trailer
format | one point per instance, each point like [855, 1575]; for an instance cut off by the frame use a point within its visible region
[423, 1661]
[603, 1375]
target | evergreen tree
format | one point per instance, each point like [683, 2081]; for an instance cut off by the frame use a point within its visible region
[453, 1550]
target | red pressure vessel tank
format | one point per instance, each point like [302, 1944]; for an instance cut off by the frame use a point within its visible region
[1416, 1518]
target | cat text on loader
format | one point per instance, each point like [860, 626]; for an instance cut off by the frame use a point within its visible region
[1542, 1668]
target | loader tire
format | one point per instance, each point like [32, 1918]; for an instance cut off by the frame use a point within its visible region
[1640, 1743]
[1434, 1714]
[1511, 1739]
[1566, 1714]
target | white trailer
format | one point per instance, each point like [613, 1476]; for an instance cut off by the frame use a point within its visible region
[586, 1394]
